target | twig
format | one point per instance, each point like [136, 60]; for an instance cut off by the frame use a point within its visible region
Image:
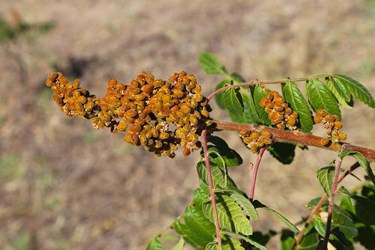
[320, 204]
[295, 137]
[255, 173]
[211, 186]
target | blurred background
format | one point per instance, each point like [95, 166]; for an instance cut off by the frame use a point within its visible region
[64, 185]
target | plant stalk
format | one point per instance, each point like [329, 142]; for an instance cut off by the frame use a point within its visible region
[255, 173]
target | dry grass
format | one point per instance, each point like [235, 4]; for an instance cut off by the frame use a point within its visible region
[70, 187]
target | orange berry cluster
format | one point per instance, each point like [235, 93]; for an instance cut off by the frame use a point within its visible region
[160, 115]
[332, 125]
[278, 111]
[256, 139]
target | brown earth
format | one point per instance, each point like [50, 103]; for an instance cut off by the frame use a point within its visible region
[67, 186]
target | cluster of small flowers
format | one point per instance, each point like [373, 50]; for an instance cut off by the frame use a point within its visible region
[278, 111]
[160, 115]
[332, 125]
[256, 139]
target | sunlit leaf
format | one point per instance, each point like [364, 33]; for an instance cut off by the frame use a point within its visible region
[325, 176]
[320, 97]
[246, 205]
[230, 215]
[342, 95]
[228, 243]
[356, 89]
[211, 64]
[219, 97]
[233, 102]
[294, 97]
[155, 244]
[287, 239]
[179, 246]
[259, 94]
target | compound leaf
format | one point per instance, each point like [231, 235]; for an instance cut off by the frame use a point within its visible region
[294, 97]
[230, 215]
[211, 64]
[356, 89]
[222, 154]
[228, 243]
[342, 95]
[321, 98]
[325, 176]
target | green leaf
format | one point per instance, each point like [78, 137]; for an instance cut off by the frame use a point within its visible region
[319, 225]
[211, 64]
[290, 225]
[179, 246]
[230, 215]
[249, 115]
[366, 235]
[321, 98]
[283, 152]
[248, 239]
[309, 241]
[297, 101]
[362, 160]
[342, 95]
[325, 176]
[287, 239]
[356, 89]
[222, 154]
[342, 220]
[246, 205]
[154, 244]
[228, 243]
[198, 231]
[219, 97]
[363, 207]
[259, 94]
[233, 102]
[219, 177]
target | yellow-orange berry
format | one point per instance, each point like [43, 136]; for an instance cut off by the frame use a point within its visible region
[338, 125]
[325, 141]
[342, 136]
[321, 112]
[318, 119]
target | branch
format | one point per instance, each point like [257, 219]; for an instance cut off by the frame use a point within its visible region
[296, 137]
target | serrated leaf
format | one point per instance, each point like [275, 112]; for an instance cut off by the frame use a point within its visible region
[246, 239]
[222, 154]
[290, 225]
[309, 241]
[362, 160]
[179, 246]
[283, 152]
[198, 231]
[227, 244]
[325, 176]
[219, 177]
[341, 219]
[297, 101]
[211, 64]
[320, 97]
[230, 215]
[249, 114]
[233, 102]
[319, 225]
[219, 97]
[246, 205]
[259, 94]
[356, 89]
[342, 95]
[155, 244]
[363, 207]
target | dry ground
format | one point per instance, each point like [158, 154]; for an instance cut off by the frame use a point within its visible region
[67, 186]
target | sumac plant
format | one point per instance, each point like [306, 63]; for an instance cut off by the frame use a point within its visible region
[165, 115]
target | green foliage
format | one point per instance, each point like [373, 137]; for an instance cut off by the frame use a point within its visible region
[353, 220]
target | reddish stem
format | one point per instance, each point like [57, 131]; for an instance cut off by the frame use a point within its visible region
[320, 204]
[255, 173]
[332, 201]
[211, 186]
[297, 137]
